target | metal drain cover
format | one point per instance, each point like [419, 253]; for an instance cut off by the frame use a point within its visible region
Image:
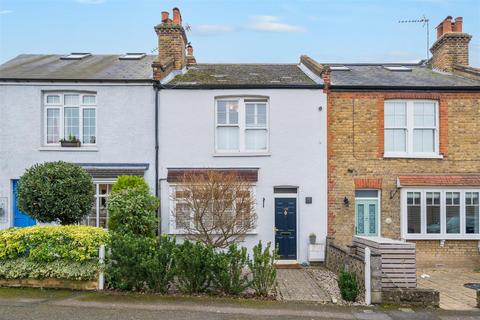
[474, 286]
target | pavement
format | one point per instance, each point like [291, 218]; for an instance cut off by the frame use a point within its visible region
[450, 283]
[16, 304]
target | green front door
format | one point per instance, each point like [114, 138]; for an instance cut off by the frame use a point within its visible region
[366, 216]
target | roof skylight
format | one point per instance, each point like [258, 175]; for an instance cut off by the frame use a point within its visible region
[339, 68]
[132, 56]
[397, 68]
[76, 56]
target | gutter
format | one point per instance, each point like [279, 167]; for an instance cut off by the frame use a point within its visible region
[403, 88]
[239, 86]
[76, 80]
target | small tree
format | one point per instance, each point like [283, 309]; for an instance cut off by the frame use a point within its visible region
[215, 208]
[56, 192]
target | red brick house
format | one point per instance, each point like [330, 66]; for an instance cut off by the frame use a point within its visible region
[404, 150]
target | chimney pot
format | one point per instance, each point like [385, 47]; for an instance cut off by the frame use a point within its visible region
[164, 16]
[189, 50]
[177, 17]
[457, 27]
[447, 25]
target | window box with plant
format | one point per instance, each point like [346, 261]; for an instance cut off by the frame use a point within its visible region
[70, 142]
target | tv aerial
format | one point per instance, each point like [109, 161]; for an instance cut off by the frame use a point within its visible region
[424, 21]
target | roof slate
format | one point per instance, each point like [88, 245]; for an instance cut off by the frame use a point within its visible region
[375, 75]
[94, 67]
[239, 75]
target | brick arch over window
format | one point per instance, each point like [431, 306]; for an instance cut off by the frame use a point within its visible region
[443, 116]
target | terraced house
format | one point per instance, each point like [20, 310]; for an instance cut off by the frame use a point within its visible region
[404, 150]
[160, 116]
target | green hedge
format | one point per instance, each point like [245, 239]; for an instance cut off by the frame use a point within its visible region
[64, 252]
[49, 243]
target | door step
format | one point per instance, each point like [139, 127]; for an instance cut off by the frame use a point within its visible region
[287, 264]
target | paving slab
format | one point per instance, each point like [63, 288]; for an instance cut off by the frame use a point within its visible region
[298, 285]
[450, 283]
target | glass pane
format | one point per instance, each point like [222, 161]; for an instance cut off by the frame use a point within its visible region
[395, 114]
[71, 99]
[250, 114]
[262, 114]
[53, 99]
[414, 222]
[103, 213]
[471, 212]
[395, 140]
[89, 126]
[360, 219]
[182, 216]
[53, 125]
[424, 114]
[433, 212]
[453, 212]
[232, 112]
[256, 139]
[423, 140]
[90, 99]
[227, 138]
[366, 193]
[372, 214]
[222, 112]
[72, 123]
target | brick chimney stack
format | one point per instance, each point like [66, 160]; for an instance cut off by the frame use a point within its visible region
[172, 45]
[190, 57]
[451, 47]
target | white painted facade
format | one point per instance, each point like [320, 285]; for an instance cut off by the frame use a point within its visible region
[296, 154]
[125, 130]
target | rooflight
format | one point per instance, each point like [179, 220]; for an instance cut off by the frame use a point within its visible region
[339, 68]
[76, 56]
[132, 56]
[219, 75]
[397, 68]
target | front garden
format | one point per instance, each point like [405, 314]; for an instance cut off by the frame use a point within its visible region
[136, 258]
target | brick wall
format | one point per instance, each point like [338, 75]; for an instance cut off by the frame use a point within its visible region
[355, 149]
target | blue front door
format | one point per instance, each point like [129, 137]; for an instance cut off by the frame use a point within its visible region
[20, 219]
[286, 228]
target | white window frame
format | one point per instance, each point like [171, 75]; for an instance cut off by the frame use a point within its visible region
[242, 125]
[172, 207]
[410, 126]
[97, 184]
[61, 107]
[443, 235]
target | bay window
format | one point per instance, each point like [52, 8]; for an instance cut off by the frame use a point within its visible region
[70, 116]
[241, 125]
[411, 128]
[440, 213]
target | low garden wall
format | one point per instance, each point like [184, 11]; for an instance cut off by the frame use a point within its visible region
[51, 256]
[351, 259]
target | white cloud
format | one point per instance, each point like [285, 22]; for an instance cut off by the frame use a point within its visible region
[91, 1]
[5, 11]
[212, 29]
[272, 24]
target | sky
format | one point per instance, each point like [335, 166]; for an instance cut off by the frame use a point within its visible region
[247, 31]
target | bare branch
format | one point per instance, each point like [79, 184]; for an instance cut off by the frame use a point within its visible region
[216, 208]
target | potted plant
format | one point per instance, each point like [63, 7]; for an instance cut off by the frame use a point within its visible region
[70, 142]
[313, 238]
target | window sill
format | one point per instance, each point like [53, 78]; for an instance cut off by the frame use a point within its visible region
[65, 149]
[240, 154]
[442, 237]
[412, 156]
